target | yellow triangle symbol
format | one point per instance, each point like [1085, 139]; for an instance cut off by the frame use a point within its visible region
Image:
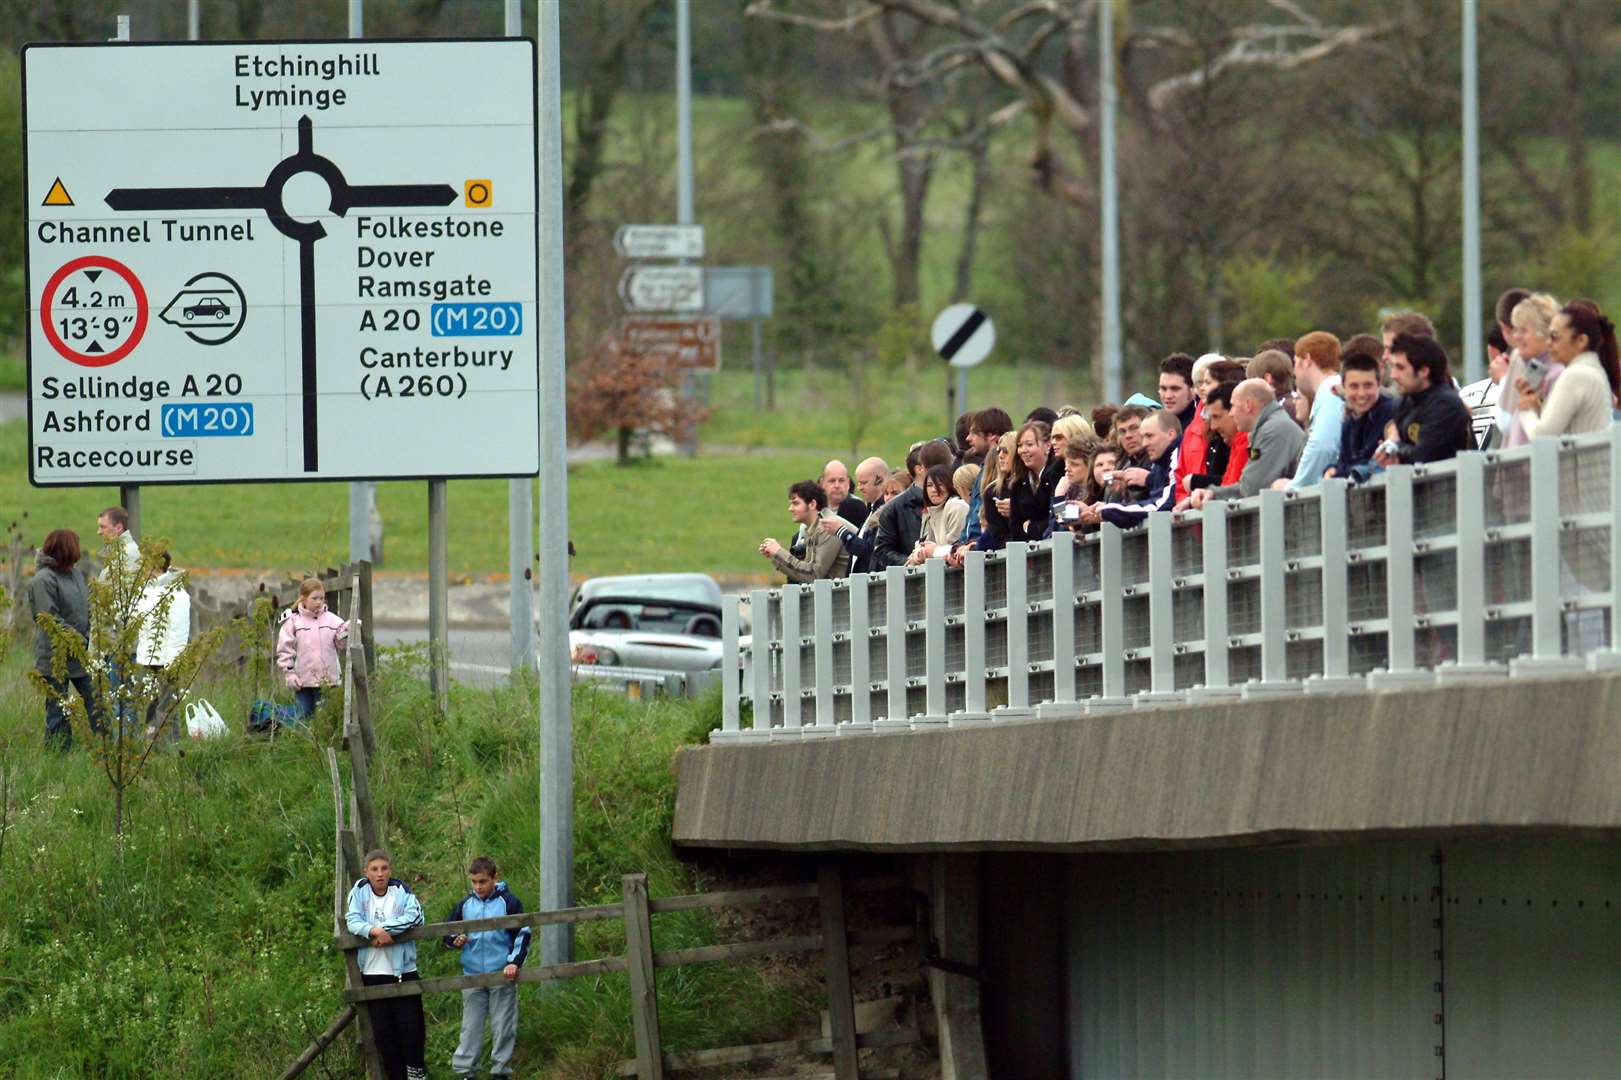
[58, 195]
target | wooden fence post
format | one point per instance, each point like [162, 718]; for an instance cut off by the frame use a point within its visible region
[644, 1001]
[351, 962]
[357, 733]
[368, 633]
[836, 956]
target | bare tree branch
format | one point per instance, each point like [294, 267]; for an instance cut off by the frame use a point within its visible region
[1263, 46]
[764, 9]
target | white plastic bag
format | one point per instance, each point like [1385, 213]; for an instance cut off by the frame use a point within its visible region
[203, 721]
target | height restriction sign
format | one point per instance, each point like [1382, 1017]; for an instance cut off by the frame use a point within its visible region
[281, 261]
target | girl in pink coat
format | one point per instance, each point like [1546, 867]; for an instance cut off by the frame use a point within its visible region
[307, 645]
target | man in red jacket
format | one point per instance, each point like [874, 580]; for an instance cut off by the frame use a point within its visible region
[1176, 394]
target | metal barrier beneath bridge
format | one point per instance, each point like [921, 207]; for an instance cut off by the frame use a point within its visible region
[1489, 565]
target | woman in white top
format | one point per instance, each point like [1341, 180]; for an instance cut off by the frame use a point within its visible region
[1529, 323]
[1583, 399]
[944, 515]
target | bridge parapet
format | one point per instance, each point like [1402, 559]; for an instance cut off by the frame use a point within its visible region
[1487, 566]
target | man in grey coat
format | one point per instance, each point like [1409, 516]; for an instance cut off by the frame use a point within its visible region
[1275, 441]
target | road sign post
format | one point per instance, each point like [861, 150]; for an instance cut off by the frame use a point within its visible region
[745, 294]
[270, 269]
[556, 717]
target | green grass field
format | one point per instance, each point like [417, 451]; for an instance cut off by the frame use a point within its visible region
[201, 946]
[707, 514]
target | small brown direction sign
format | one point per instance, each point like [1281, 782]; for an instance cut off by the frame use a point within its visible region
[689, 343]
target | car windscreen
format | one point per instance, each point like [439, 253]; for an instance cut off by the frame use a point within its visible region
[654, 615]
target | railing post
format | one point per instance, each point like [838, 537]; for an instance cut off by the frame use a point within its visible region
[730, 687]
[1161, 616]
[1217, 681]
[1400, 659]
[1111, 572]
[973, 641]
[934, 608]
[1274, 602]
[1017, 555]
[1063, 705]
[793, 718]
[1470, 551]
[860, 660]
[822, 598]
[760, 663]
[644, 1001]
[1610, 658]
[894, 718]
[1335, 516]
[1547, 609]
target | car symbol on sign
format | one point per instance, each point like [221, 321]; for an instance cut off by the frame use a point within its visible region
[208, 306]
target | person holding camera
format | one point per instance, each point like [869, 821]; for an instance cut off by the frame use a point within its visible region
[1432, 423]
[1583, 340]
[1532, 362]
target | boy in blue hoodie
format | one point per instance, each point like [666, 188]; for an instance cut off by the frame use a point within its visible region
[381, 906]
[486, 952]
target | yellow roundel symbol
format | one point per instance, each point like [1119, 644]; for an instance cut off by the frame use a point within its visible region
[479, 193]
[1412, 433]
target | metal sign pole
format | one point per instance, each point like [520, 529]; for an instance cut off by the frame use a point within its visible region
[1473, 347]
[1110, 209]
[361, 493]
[759, 364]
[556, 720]
[439, 594]
[129, 495]
[690, 382]
[520, 509]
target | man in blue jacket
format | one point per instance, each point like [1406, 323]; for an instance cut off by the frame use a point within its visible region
[485, 952]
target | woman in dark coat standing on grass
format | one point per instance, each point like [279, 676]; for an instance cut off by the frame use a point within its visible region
[59, 590]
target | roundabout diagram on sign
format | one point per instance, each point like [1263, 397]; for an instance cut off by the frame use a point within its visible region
[93, 310]
[269, 199]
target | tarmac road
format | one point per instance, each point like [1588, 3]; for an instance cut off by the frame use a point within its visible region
[478, 656]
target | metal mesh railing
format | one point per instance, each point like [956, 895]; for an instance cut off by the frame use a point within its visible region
[1474, 566]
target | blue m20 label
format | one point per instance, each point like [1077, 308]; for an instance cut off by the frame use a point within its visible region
[215, 418]
[504, 319]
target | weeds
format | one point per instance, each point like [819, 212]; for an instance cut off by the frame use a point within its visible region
[201, 944]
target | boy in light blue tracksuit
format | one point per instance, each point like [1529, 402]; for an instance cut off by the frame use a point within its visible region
[485, 952]
[380, 906]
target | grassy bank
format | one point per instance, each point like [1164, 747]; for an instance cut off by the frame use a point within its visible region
[199, 947]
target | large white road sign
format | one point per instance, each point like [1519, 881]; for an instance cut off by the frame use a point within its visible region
[281, 261]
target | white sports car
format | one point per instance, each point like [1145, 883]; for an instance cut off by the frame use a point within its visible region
[646, 622]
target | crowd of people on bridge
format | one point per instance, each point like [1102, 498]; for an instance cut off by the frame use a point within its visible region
[1221, 427]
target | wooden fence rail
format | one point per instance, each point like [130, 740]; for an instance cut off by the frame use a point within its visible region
[357, 829]
[639, 961]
